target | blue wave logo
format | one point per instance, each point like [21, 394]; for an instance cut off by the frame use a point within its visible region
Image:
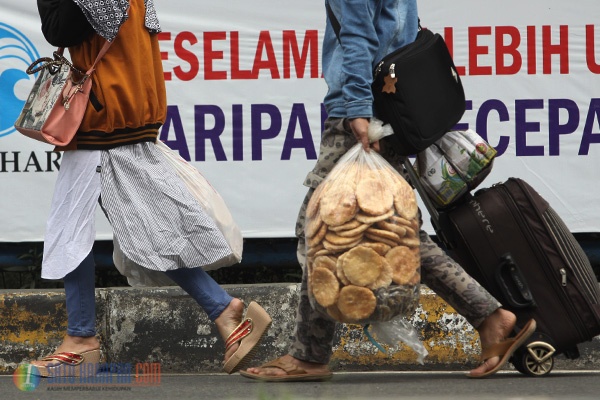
[16, 54]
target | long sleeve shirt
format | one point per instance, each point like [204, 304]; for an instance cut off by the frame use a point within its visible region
[370, 29]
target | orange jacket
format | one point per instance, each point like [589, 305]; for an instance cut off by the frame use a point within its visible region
[128, 99]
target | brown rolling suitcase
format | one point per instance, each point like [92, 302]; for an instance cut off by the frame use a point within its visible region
[511, 241]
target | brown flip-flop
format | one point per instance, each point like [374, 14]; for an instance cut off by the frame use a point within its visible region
[506, 349]
[293, 373]
[248, 334]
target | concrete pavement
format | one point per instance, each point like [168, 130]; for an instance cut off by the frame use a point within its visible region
[564, 385]
[164, 325]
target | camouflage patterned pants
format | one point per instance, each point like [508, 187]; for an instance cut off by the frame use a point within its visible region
[314, 333]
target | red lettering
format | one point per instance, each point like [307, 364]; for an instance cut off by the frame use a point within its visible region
[265, 44]
[210, 55]
[476, 50]
[449, 39]
[164, 56]
[290, 49]
[590, 50]
[511, 50]
[531, 53]
[236, 72]
[186, 55]
[561, 49]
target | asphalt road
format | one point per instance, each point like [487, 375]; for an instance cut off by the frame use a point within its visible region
[572, 385]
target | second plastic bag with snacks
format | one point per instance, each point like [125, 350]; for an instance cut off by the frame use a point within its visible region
[362, 244]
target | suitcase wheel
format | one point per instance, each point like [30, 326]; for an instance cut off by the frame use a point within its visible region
[535, 359]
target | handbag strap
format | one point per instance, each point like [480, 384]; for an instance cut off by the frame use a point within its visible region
[101, 54]
[59, 59]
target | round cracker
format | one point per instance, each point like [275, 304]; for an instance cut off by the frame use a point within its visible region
[410, 242]
[411, 232]
[313, 204]
[356, 303]
[354, 232]
[339, 270]
[416, 279]
[332, 238]
[313, 225]
[362, 266]
[347, 226]
[334, 312]
[338, 205]
[325, 286]
[411, 226]
[373, 196]
[312, 251]
[318, 237]
[385, 278]
[383, 234]
[388, 226]
[379, 239]
[371, 219]
[380, 248]
[405, 201]
[404, 262]
[336, 248]
[395, 219]
[326, 262]
[322, 252]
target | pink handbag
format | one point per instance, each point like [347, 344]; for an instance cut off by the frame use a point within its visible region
[57, 102]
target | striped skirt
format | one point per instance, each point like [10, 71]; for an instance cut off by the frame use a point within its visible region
[156, 220]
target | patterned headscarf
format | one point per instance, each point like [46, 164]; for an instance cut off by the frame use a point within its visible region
[107, 16]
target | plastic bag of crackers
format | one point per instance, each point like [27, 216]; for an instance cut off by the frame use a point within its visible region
[362, 235]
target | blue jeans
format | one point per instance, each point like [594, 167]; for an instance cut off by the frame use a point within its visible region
[81, 305]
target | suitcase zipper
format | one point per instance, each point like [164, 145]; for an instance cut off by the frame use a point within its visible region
[563, 274]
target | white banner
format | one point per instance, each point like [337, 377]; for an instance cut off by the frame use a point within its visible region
[245, 90]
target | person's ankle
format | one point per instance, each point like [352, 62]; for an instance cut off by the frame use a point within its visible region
[497, 326]
[79, 343]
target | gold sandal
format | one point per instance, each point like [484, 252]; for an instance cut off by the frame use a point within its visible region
[248, 334]
[69, 364]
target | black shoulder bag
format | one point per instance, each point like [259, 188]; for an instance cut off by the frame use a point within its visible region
[416, 90]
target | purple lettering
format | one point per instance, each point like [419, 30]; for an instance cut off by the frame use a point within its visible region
[298, 116]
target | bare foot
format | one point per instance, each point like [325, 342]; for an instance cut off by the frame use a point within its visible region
[494, 329]
[73, 344]
[229, 319]
[309, 367]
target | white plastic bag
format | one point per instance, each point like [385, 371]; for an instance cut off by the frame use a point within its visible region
[211, 202]
[136, 274]
[395, 331]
